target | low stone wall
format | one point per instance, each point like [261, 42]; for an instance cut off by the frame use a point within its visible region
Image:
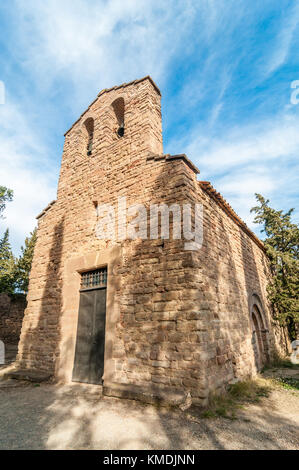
[11, 317]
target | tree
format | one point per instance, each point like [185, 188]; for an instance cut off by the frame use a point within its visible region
[7, 265]
[7, 260]
[282, 246]
[5, 196]
[24, 262]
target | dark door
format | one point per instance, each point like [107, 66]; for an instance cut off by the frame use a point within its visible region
[90, 344]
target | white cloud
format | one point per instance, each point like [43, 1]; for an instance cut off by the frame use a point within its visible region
[239, 187]
[283, 41]
[90, 45]
[99, 43]
[264, 141]
[95, 44]
[260, 158]
[25, 170]
[247, 182]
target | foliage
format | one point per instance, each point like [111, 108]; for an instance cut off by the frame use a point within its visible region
[289, 383]
[7, 265]
[14, 273]
[5, 196]
[24, 263]
[282, 245]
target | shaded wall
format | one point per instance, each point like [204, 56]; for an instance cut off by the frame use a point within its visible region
[176, 320]
[66, 231]
[11, 317]
[234, 277]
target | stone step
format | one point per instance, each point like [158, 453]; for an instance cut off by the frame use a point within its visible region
[151, 395]
[30, 375]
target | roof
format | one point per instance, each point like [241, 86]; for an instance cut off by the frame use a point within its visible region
[117, 87]
[133, 82]
[208, 188]
[46, 209]
[180, 156]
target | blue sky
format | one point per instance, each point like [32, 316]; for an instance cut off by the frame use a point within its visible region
[224, 67]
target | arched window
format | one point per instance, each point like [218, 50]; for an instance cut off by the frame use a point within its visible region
[89, 126]
[119, 109]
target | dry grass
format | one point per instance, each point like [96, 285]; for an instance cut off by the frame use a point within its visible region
[237, 395]
[279, 362]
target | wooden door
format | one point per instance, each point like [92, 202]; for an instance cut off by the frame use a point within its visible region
[90, 343]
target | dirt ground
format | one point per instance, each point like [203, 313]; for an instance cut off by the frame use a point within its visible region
[75, 417]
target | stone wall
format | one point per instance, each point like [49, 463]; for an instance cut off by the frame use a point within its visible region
[67, 230]
[11, 317]
[176, 320]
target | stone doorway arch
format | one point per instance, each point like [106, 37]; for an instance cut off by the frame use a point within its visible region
[259, 336]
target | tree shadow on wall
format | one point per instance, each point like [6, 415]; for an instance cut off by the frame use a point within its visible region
[170, 340]
[169, 343]
[39, 344]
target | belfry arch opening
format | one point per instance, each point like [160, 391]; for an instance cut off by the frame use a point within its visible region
[118, 106]
[89, 127]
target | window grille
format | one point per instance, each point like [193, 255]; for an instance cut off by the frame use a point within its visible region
[93, 279]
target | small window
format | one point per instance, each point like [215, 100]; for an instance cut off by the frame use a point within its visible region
[89, 126]
[94, 279]
[119, 109]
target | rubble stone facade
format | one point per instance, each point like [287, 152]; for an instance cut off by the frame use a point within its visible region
[176, 320]
[11, 317]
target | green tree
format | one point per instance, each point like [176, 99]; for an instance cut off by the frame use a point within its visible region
[24, 262]
[7, 265]
[282, 245]
[5, 196]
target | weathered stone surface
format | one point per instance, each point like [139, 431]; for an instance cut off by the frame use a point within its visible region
[36, 376]
[11, 316]
[175, 320]
[151, 395]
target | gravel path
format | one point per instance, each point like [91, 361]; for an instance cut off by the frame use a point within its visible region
[74, 417]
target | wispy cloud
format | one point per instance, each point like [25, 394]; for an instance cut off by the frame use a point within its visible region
[224, 67]
[98, 44]
[257, 158]
[264, 141]
[283, 40]
[26, 169]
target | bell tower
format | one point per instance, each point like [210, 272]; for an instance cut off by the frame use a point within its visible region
[122, 126]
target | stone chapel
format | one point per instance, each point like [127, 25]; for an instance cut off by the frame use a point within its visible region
[142, 318]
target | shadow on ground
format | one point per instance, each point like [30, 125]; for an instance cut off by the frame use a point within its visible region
[11, 351]
[75, 417]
